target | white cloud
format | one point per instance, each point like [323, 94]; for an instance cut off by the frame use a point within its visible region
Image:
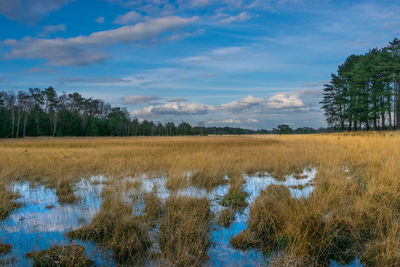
[238, 59]
[218, 54]
[224, 51]
[242, 16]
[30, 11]
[240, 109]
[184, 35]
[285, 101]
[157, 7]
[173, 108]
[82, 50]
[100, 20]
[57, 52]
[179, 99]
[231, 120]
[252, 120]
[224, 121]
[243, 104]
[139, 99]
[128, 18]
[196, 59]
[49, 29]
[138, 32]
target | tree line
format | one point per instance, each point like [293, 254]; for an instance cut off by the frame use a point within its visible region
[39, 112]
[364, 94]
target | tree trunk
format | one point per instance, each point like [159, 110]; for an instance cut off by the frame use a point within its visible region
[54, 125]
[25, 122]
[13, 121]
[383, 114]
[397, 86]
[390, 113]
[19, 117]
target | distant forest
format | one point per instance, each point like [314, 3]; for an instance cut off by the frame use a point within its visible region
[39, 112]
[364, 94]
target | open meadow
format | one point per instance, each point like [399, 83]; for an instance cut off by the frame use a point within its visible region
[278, 200]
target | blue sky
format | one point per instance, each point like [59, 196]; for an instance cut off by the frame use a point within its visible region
[247, 63]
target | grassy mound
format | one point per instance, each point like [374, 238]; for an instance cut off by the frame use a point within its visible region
[116, 228]
[64, 256]
[184, 231]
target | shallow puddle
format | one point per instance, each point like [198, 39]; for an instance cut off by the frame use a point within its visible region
[223, 253]
[42, 221]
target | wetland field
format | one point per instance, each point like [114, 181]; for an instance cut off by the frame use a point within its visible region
[248, 200]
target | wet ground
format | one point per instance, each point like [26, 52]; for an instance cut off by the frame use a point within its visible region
[42, 221]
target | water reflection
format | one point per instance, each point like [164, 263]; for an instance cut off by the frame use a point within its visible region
[42, 221]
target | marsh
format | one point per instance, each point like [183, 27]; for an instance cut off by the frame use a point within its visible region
[155, 201]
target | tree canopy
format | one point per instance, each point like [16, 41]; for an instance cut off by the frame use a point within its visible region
[44, 113]
[365, 91]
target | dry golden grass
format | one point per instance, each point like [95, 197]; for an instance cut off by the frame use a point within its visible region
[226, 217]
[73, 255]
[184, 231]
[116, 227]
[5, 249]
[7, 201]
[352, 212]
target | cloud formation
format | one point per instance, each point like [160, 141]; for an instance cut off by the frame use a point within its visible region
[243, 104]
[128, 18]
[231, 120]
[239, 59]
[242, 16]
[173, 108]
[139, 99]
[84, 50]
[252, 120]
[49, 29]
[30, 11]
[280, 101]
[179, 99]
[285, 101]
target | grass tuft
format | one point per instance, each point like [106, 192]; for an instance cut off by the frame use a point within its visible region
[64, 256]
[5, 249]
[235, 198]
[65, 192]
[226, 217]
[184, 232]
[245, 240]
[115, 227]
[7, 202]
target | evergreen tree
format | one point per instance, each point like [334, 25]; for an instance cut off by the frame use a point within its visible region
[365, 92]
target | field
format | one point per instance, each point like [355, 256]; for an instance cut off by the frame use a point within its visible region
[295, 200]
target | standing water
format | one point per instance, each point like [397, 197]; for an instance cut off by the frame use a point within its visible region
[42, 221]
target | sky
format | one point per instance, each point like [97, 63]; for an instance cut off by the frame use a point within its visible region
[240, 63]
